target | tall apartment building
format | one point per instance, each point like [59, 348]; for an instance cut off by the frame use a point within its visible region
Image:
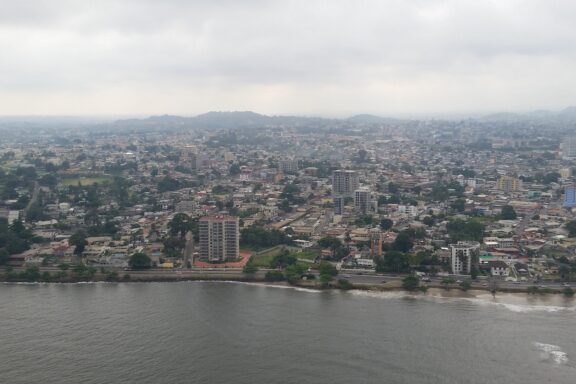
[219, 238]
[509, 184]
[190, 156]
[362, 200]
[569, 147]
[288, 165]
[344, 183]
[338, 205]
[569, 196]
[464, 255]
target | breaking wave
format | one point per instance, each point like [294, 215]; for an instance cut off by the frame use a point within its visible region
[256, 284]
[513, 307]
[552, 353]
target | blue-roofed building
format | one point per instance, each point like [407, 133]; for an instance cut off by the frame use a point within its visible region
[570, 196]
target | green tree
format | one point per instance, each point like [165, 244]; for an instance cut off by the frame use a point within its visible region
[82, 270]
[551, 177]
[508, 213]
[330, 242]
[459, 205]
[447, 281]
[465, 230]
[64, 267]
[259, 237]
[393, 261]
[386, 224]
[294, 273]
[180, 225]
[274, 276]
[46, 276]
[403, 242]
[564, 272]
[410, 283]
[4, 257]
[140, 260]
[571, 228]
[428, 220]
[326, 268]
[325, 280]
[234, 169]
[344, 284]
[465, 285]
[250, 268]
[78, 240]
[283, 259]
[31, 273]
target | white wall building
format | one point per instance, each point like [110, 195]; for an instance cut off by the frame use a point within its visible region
[463, 255]
[362, 200]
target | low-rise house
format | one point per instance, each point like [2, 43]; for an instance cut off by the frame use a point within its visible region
[499, 268]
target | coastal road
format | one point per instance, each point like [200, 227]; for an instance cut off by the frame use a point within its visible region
[361, 278]
[189, 249]
[33, 199]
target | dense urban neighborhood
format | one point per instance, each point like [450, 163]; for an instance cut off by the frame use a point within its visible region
[484, 201]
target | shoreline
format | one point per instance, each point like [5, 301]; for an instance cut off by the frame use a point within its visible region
[453, 291]
[517, 302]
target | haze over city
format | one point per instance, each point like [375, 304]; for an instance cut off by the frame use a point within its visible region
[328, 58]
[258, 191]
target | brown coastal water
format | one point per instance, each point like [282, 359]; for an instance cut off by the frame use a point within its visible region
[210, 332]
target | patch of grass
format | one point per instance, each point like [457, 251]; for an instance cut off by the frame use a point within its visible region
[308, 254]
[264, 258]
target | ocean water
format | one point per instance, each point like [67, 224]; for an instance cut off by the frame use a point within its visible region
[208, 332]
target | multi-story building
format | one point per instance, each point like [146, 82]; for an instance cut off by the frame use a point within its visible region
[219, 238]
[362, 200]
[464, 255]
[569, 196]
[509, 184]
[338, 205]
[190, 157]
[569, 147]
[375, 242]
[344, 182]
[288, 165]
[565, 173]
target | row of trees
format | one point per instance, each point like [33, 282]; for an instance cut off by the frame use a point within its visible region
[258, 237]
[14, 239]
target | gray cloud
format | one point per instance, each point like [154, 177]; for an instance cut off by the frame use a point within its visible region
[331, 57]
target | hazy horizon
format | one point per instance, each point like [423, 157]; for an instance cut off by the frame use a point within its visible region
[415, 115]
[331, 59]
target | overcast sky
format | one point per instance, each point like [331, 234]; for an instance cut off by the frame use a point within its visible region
[332, 58]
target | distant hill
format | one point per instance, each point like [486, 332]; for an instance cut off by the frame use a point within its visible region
[565, 115]
[219, 120]
[231, 119]
[216, 120]
[367, 119]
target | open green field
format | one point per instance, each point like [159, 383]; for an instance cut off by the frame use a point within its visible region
[308, 254]
[264, 258]
[84, 181]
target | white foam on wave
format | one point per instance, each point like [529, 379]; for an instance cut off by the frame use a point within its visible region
[256, 284]
[513, 307]
[551, 352]
[525, 308]
[383, 294]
